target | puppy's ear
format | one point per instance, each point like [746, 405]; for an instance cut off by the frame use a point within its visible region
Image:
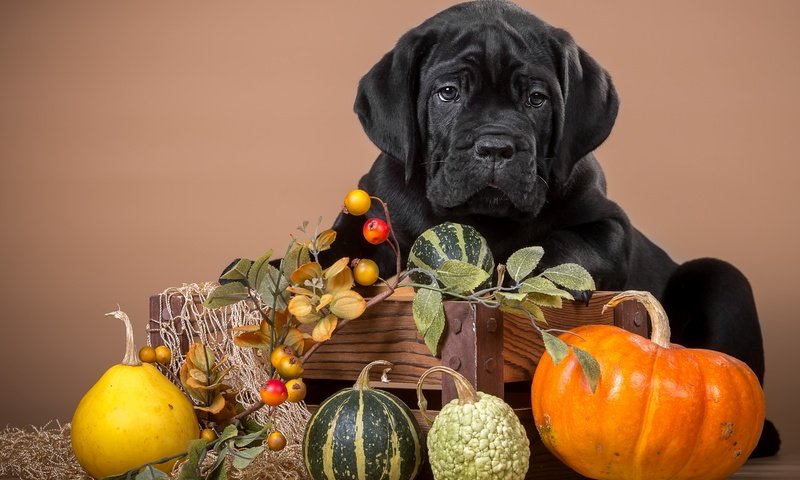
[589, 103]
[386, 102]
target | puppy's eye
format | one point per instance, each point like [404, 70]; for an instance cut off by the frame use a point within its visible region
[536, 99]
[448, 94]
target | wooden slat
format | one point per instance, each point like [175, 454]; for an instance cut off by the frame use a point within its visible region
[160, 307]
[385, 332]
[473, 346]
[489, 360]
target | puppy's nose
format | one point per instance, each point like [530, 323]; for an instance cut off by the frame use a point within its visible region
[494, 147]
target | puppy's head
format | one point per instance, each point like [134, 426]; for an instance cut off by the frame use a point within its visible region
[489, 106]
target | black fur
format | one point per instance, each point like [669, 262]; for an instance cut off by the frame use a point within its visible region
[455, 109]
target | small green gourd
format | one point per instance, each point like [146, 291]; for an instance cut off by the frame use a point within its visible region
[362, 433]
[476, 436]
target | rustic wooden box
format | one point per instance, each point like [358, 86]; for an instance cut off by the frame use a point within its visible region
[497, 352]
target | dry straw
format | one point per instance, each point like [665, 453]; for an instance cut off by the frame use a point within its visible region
[45, 453]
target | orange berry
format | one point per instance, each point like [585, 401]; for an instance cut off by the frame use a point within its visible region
[208, 434]
[163, 354]
[297, 390]
[290, 367]
[147, 354]
[365, 272]
[279, 353]
[276, 441]
[357, 202]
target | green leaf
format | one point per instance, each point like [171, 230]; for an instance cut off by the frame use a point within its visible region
[570, 275]
[511, 296]
[544, 300]
[555, 347]
[544, 286]
[425, 308]
[195, 452]
[246, 440]
[252, 426]
[273, 288]
[238, 271]
[589, 366]
[297, 255]
[523, 308]
[258, 270]
[230, 432]
[522, 262]
[227, 294]
[243, 458]
[428, 313]
[461, 277]
[218, 470]
[151, 473]
[434, 335]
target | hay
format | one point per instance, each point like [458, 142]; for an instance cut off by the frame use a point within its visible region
[45, 453]
[39, 453]
[284, 465]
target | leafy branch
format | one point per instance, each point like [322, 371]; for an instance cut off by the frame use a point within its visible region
[242, 449]
[526, 294]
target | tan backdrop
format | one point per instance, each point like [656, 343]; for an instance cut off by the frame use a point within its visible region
[145, 144]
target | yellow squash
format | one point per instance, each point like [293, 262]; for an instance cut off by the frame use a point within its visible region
[131, 417]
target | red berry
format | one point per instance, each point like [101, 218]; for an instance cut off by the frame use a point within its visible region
[376, 231]
[273, 392]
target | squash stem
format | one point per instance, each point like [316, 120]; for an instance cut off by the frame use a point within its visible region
[362, 382]
[466, 392]
[658, 317]
[131, 355]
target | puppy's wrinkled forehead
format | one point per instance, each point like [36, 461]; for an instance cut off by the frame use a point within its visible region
[490, 48]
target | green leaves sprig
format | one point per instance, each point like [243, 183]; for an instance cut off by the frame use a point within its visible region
[242, 448]
[525, 295]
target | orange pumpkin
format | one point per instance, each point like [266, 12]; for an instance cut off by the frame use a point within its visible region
[659, 411]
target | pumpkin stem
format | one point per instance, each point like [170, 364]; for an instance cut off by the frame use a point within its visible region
[466, 392]
[131, 355]
[658, 317]
[362, 382]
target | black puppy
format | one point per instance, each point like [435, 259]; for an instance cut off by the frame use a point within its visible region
[488, 116]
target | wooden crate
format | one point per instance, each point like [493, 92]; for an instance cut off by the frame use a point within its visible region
[497, 352]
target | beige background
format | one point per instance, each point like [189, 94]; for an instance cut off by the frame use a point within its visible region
[144, 144]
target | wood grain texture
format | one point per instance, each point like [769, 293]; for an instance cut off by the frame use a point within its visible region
[386, 332]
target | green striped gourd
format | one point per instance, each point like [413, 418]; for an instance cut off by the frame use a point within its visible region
[448, 241]
[362, 433]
